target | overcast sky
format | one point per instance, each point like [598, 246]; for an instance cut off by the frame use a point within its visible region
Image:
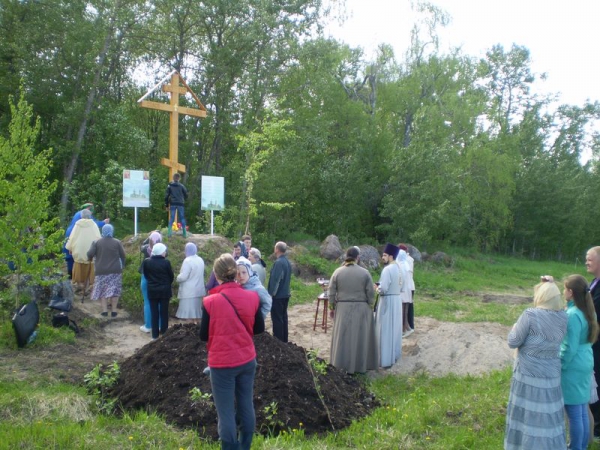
[563, 36]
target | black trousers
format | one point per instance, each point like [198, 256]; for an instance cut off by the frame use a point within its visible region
[279, 317]
[159, 308]
[595, 407]
[411, 311]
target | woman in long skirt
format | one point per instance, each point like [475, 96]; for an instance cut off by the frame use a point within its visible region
[110, 260]
[534, 415]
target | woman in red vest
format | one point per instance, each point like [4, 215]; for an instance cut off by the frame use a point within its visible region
[231, 316]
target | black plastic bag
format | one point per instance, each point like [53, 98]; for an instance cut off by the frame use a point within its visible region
[25, 321]
[62, 320]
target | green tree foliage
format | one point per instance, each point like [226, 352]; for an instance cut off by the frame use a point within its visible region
[311, 136]
[258, 147]
[27, 229]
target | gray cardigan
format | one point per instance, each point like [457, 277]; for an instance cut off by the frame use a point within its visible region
[109, 254]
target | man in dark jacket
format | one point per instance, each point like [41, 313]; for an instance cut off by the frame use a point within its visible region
[279, 289]
[174, 201]
[592, 264]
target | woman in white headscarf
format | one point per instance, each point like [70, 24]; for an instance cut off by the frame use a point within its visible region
[249, 280]
[159, 273]
[191, 285]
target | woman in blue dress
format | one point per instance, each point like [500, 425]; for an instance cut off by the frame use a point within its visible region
[577, 358]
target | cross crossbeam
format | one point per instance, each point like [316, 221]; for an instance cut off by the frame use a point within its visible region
[177, 87]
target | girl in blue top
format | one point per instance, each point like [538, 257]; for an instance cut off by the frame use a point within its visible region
[577, 358]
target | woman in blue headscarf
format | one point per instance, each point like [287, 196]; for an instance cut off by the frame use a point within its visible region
[191, 285]
[110, 260]
[248, 279]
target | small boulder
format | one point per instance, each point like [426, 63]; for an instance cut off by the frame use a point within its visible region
[441, 258]
[331, 248]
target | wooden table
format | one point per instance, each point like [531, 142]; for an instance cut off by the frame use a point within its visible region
[323, 297]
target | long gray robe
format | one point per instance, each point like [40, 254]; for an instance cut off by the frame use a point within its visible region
[353, 344]
[388, 320]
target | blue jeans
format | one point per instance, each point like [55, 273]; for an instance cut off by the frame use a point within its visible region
[579, 427]
[147, 312]
[233, 386]
[180, 217]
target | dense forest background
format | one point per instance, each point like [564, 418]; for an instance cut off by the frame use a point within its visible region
[311, 136]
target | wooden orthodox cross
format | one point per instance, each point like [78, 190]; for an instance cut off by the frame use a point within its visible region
[176, 87]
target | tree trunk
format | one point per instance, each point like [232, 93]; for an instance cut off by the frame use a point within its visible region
[70, 169]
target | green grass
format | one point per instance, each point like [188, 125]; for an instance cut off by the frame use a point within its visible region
[418, 412]
[47, 335]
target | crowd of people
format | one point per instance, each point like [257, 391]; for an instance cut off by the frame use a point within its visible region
[232, 306]
[553, 395]
[557, 365]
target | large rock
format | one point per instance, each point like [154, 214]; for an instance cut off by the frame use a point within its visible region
[331, 248]
[414, 252]
[369, 256]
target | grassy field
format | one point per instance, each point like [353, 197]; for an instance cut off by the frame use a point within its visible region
[418, 412]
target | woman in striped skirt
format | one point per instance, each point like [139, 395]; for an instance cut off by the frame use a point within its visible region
[535, 415]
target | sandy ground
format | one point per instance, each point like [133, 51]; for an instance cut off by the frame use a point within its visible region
[437, 348]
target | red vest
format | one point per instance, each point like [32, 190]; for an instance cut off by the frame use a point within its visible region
[230, 342]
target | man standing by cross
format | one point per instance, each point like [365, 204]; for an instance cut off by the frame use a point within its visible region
[175, 202]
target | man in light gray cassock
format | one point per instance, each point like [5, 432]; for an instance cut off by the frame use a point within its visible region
[353, 345]
[388, 318]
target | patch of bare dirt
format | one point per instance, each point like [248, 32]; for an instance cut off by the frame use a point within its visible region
[439, 348]
[507, 299]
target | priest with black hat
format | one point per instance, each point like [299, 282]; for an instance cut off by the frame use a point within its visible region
[388, 318]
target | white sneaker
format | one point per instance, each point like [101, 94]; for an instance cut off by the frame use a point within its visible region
[408, 333]
[144, 329]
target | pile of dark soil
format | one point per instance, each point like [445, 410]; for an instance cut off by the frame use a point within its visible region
[159, 378]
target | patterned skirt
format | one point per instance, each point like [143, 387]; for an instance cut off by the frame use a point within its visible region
[535, 415]
[107, 286]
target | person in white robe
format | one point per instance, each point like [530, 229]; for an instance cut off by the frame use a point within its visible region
[405, 291]
[411, 286]
[388, 317]
[191, 285]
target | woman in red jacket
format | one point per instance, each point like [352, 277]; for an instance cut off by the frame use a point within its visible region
[231, 316]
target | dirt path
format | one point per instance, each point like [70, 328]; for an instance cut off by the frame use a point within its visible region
[437, 348]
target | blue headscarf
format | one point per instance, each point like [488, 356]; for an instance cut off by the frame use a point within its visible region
[190, 249]
[108, 230]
